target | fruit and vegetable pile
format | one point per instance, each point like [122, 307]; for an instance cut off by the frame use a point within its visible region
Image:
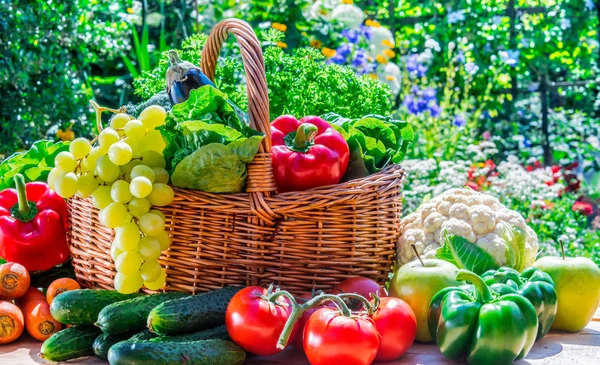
[466, 277]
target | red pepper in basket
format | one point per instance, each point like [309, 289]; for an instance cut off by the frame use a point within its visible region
[307, 153]
[33, 222]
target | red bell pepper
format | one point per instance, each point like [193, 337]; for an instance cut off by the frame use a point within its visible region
[307, 153]
[33, 225]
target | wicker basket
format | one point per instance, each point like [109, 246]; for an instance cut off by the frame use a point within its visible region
[299, 240]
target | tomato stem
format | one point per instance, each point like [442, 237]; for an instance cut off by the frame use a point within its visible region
[299, 309]
[370, 308]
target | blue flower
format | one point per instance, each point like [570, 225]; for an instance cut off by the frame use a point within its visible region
[510, 57]
[367, 32]
[344, 50]
[414, 67]
[338, 59]
[459, 121]
[360, 58]
[589, 4]
[435, 110]
[351, 35]
[429, 94]
[456, 16]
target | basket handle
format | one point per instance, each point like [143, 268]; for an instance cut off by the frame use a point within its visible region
[261, 182]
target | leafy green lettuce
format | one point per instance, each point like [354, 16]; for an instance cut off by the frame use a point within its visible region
[208, 144]
[217, 168]
[375, 141]
[34, 164]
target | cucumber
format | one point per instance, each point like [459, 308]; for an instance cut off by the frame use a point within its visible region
[210, 352]
[81, 307]
[191, 314]
[217, 333]
[70, 343]
[131, 314]
[104, 342]
[143, 335]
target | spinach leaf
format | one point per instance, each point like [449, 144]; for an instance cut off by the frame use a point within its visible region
[375, 141]
[217, 168]
[465, 255]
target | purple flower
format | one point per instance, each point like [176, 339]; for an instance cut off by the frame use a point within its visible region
[367, 32]
[435, 110]
[429, 94]
[360, 58]
[459, 121]
[370, 68]
[471, 68]
[338, 59]
[344, 50]
[351, 35]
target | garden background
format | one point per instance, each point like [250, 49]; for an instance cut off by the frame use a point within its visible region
[502, 94]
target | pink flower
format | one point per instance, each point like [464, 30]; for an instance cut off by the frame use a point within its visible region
[583, 207]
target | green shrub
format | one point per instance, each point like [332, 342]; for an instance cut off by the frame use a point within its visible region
[299, 83]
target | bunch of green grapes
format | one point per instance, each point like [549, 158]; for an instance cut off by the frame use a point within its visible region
[124, 174]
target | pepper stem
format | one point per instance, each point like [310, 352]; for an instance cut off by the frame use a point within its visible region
[503, 276]
[305, 134]
[24, 207]
[482, 291]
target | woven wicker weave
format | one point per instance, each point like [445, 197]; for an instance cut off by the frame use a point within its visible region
[299, 240]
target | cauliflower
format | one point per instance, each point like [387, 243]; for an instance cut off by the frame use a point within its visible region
[477, 217]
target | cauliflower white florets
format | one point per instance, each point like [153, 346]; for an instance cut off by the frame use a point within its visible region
[479, 218]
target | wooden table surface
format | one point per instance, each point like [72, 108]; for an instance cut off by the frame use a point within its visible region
[562, 348]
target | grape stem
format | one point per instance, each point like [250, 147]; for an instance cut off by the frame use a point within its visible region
[100, 109]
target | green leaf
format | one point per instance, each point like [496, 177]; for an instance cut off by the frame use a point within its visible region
[515, 239]
[465, 255]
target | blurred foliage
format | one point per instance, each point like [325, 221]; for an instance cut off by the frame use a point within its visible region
[299, 83]
[47, 49]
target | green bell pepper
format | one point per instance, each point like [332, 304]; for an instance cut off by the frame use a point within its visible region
[533, 284]
[487, 327]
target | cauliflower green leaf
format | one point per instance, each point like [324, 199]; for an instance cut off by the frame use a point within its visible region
[465, 255]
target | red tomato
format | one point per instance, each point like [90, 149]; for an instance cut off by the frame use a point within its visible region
[299, 340]
[255, 323]
[331, 339]
[359, 285]
[397, 325]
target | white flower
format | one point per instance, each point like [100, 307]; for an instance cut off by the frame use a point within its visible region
[391, 75]
[379, 36]
[456, 16]
[432, 44]
[426, 57]
[350, 15]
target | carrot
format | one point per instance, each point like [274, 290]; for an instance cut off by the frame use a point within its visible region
[14, 280]
[59, 286]
[38, 320]
[11, 322]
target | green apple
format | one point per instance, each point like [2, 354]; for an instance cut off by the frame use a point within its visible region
[417, 283]
[577, 283]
